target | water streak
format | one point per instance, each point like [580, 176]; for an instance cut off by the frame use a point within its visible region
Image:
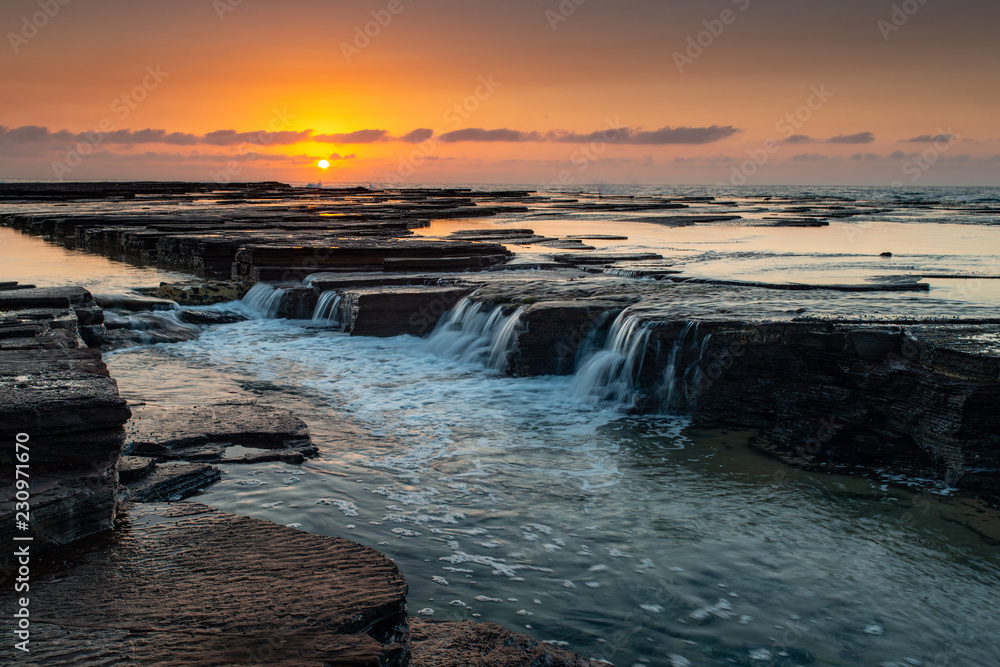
[328, 308]
[263, 301]
[611, 374]
[470, 334]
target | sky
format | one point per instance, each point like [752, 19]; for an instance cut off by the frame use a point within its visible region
[538, 92]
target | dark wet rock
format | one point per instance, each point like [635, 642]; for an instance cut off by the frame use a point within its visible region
[58, 395]
[40, 329]
[187, 584]
[774, 221]
[65, 401]
[553, 333]
[651, 272]
[132, 468]
[133, 302]
[827, 397]
[684, 220]
[623, 206]
[397, 311]
[209, 317]
[886, 254]
[566, 244]
[67, 504]
[476, 262]
[336, 281]
[468, 644]
[44, 297]
[589, 258]
[54, 644]
[207, 433]
[94, 335]
[147, 328]
[908, 286]
[295, 263]
[169, 482]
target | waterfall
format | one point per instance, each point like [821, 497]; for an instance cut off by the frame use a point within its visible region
[682, 378]
[263, 301]
[611, 374]
[328, 308]
[148, 327]
[471, 335]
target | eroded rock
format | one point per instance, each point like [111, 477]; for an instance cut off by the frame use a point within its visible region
[182, 583]
[468, 644]
[210, 433]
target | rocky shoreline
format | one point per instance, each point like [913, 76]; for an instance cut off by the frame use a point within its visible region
[909, 396]
[119, 575]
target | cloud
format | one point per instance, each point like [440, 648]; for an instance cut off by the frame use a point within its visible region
[262, 138]
[149, 136]
[479, 134]
[660, 137]
[811, 157]
[33, 134]
[867, 157]
[800, 139]
[618, 135]
[358, 137]
[417, 136]
[859, 138]
[930, 139]
[336, 157]
[897, 155]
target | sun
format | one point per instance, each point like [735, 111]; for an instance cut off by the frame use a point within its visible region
[323, 164]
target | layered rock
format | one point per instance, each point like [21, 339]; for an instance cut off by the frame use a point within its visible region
[827, 396]
[555, 333]
[282, 263]
[397, 311]
[56, 396]
[187, 584]
[219, 434]
[467, 644]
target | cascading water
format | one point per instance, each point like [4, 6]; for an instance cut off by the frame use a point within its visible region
[263, 301]
[682, 378]
[471, 335]
[328, 308]
[610, 374]
[147, 327]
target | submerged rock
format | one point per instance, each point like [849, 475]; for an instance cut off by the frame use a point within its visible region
[464, 643]
[210, 433]
[169, 482]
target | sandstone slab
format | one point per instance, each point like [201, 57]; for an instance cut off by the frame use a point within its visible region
[187, 584]
[207, 433]
[468, 644]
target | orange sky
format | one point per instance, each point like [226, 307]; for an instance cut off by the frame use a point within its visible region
[541, 69]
